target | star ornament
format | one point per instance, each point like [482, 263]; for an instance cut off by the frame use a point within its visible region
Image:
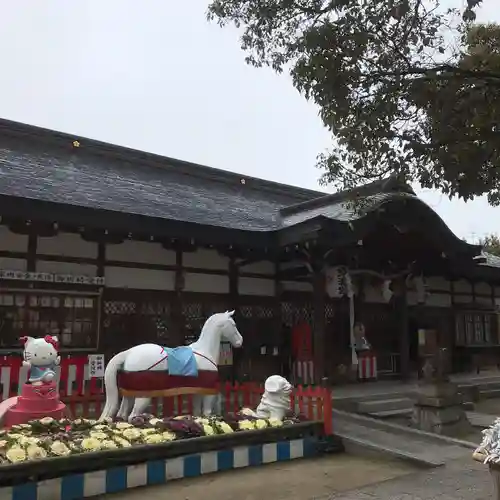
[76, 144]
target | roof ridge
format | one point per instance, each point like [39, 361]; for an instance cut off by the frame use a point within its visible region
[153, 159]
[388, 184]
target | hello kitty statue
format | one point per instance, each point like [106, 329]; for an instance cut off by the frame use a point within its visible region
[42, 358]
[39, 397]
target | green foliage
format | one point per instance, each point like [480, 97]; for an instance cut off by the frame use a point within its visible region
[391, 86]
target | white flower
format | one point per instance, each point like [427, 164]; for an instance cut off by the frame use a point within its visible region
[154, 439]
[59, 448]
[202, 421]
[147, 431]
[224, 427]
[108, 444]
[247, 411]
[16, 454]
[35, 452]
[246, 425]
[260, 424]
[100, 427]
[91, 444]
[208, 430]
[275, 422]
[98, 435]
[121, 442]
[123, 425]
[168, 436]
[46, 420]
[132, 434]
[155, 421]
[14, 436]
[28, 441]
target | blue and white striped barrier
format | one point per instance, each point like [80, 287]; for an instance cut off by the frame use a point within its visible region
[89, 484]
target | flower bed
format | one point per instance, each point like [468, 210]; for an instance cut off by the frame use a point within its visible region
[47, 437]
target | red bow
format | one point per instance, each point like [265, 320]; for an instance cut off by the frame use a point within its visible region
[23, 340]
[51, 340]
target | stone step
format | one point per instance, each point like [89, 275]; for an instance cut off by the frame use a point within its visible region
[363, 437]
[404, 412]
[480, 419]
[490, 393]
[381, 405]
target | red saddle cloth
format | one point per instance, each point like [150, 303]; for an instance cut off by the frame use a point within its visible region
[149, 380]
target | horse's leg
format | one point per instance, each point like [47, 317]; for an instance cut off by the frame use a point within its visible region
[125, 407]
[208, 405]
[140, 406]
[197, 405]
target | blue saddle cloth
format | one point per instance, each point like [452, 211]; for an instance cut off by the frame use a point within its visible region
[181, 361]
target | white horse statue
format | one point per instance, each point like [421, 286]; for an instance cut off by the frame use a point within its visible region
[146, 372]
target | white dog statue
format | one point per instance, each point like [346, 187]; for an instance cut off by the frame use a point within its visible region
[275, 402]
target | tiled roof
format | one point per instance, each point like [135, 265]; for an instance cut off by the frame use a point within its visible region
[135, 183]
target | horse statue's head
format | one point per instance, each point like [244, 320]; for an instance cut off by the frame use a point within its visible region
[228, 330]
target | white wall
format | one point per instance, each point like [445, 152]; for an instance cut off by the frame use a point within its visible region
[66, 244]
[66, 268]
[256, 286]
[140, 279]
[140, 251]
[205, 259]
[12, 242]
[206, 283]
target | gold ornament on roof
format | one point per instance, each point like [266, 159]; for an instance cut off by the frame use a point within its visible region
[76, 144]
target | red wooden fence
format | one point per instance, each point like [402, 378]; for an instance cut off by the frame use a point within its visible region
[314, 403]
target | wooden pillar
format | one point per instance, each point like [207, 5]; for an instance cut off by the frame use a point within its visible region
[177, 315]
[319, 323]
[234, 304]
[403, 328]
[233, 283]
[100, 271]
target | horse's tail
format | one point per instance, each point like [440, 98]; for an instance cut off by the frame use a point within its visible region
[111, 385]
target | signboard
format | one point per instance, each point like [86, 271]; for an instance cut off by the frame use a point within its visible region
[96, 365]
[51, 278]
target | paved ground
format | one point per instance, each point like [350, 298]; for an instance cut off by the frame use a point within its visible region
[296, 480]
[459, 480]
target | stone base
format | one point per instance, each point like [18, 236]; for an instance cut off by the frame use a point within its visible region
[438, 408]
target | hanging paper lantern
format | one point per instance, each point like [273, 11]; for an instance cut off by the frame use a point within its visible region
[386, 291]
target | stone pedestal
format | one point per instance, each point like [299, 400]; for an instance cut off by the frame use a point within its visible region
[35, 402]
[438, 408]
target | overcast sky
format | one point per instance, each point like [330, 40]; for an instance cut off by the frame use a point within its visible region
[154, 75]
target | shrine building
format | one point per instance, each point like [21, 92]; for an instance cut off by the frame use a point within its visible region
[109, 247]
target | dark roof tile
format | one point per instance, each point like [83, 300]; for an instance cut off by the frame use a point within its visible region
[91, 178]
